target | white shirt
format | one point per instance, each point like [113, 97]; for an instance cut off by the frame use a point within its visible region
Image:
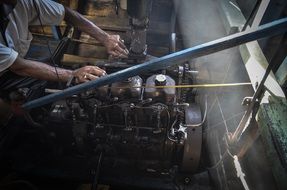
[17, 33]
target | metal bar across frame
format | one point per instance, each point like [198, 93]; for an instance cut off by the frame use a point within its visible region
[270, 29]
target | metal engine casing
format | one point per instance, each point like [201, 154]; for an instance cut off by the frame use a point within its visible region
[130, 123]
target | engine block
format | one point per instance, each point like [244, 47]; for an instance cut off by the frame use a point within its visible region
[135, 120]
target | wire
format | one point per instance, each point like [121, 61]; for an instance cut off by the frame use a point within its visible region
[47, 42]
[226, 153]
[172, 126]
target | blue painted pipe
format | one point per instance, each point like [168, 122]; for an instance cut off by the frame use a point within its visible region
[270, 29]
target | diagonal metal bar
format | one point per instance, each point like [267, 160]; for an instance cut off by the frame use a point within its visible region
[237, 133]
[270, 29]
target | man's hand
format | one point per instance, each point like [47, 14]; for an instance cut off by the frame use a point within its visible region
[113, 43]
[88, 73]
[116, 47]
[43, 71]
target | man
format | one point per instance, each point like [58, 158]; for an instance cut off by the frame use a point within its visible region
[17, 16]
[16, 72]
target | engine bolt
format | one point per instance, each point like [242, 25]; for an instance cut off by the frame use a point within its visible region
[187, 180]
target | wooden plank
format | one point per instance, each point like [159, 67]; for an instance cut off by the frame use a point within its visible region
[110, 23]
[70, 60]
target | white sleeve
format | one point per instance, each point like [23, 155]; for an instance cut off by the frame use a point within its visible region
[7, 57]
[50, 12]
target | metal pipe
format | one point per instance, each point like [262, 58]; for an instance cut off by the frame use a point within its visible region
[270, 29]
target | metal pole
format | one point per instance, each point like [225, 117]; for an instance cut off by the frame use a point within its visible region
[270, 29]
[237, 133]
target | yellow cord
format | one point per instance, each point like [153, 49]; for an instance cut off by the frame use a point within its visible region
[193, 85]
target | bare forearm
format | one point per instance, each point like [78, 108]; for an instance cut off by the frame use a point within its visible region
[79, 21]
[40, 70]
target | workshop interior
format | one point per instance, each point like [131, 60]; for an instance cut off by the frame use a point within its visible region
[199, 104]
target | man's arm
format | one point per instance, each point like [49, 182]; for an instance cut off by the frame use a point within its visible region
[43, 71]
[114, 45]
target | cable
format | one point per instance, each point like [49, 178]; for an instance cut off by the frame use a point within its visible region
[173, 124]
[199, 85]
[227, 152]
[47, 42]
[237, 166]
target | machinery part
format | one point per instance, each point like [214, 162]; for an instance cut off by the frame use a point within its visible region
[138, 47]
[192, 145]
[128, 130]
[270, 29]
[164, 95]
[173, 42]
[180, 72]
[253, 105]
[138, 11]
[132, 129]
[130, 88]
[160, 80]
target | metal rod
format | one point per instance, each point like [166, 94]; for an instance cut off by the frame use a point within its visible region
[252, 14]
[270, 29]
[237, 133]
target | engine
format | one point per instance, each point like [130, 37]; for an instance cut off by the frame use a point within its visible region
[144, 125]
[142, 122]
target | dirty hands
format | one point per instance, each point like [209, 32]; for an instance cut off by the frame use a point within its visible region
[88, 73]
[116, 47]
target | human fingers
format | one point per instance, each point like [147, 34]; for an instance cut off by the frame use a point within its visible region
[119, 50]
[121, 54]
[122, 45]
[81, 77]
[89, 77]
[114, 55]
[94, 70]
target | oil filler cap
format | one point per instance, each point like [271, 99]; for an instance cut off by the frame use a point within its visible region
[160, 80]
